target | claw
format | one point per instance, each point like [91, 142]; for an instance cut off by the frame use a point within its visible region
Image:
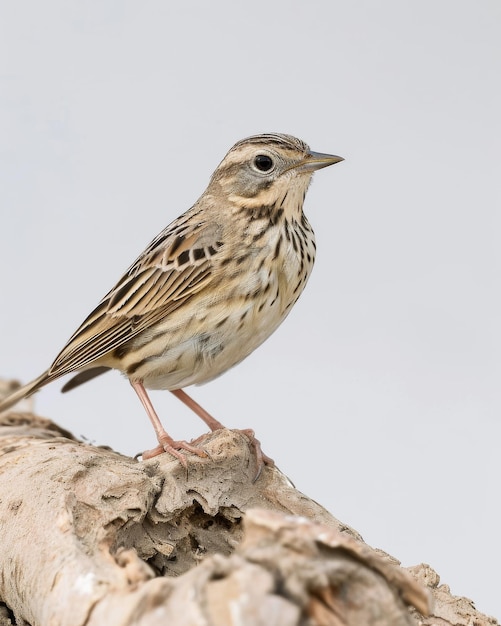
[173, 447]
[262, 459]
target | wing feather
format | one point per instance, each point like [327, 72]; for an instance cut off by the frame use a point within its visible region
[171, 270]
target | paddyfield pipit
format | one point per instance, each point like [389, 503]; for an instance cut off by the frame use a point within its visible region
[209, 289]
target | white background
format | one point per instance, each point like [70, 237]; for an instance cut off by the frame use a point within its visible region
[380, 395]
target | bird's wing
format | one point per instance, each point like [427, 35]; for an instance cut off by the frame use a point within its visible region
[174, 267]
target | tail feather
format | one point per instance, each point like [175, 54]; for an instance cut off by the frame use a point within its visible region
[25, 391]
[83, 377]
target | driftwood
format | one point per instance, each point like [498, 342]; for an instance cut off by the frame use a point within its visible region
[91, 537]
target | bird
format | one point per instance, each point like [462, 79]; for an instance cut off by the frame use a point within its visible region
[210, 287]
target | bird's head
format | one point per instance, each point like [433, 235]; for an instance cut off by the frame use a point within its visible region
[268, 170]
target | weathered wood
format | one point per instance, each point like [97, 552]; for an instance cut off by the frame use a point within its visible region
[93, 537]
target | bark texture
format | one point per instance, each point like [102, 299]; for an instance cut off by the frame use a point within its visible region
[91, 537]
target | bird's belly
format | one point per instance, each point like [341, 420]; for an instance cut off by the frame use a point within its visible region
[215, 339]
[224, 326]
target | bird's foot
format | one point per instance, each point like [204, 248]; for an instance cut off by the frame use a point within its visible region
[262, 459]
[167, 444]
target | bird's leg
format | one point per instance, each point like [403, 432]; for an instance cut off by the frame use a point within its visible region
[261, 458]
[167, 444]
[211, 422]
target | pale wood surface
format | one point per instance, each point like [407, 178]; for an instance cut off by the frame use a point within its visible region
[93, 537]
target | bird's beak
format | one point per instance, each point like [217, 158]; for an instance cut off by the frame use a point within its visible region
[316, 161]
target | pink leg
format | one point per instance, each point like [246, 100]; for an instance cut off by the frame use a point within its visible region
[261, 458]
[211, 422]
[167, 444]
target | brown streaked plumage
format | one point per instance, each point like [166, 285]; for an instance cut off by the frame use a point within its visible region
[210, 288]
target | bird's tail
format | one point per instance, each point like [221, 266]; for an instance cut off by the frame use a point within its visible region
[25, 391]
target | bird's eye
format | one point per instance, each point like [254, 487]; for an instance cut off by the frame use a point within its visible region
[263, 162]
